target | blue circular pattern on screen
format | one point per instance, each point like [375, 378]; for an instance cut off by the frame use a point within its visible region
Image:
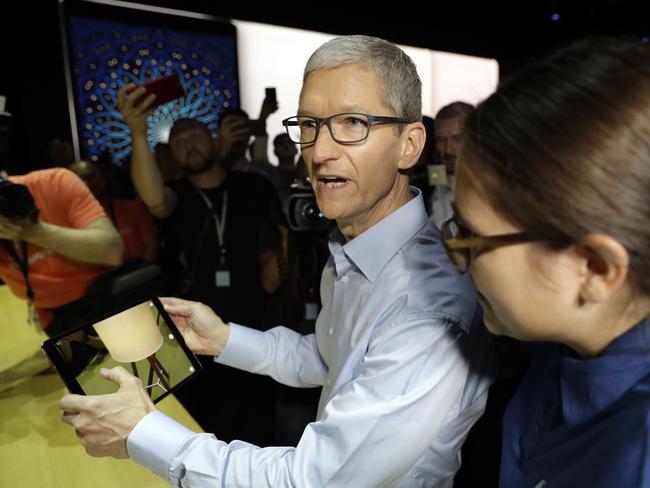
[105, 55]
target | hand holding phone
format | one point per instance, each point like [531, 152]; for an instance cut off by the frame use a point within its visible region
[269, 104]
[270, 94]
[166, 88]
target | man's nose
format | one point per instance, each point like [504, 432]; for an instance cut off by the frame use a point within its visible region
[325, 147]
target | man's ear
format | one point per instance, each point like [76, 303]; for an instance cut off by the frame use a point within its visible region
[413, 138]
[604, 268]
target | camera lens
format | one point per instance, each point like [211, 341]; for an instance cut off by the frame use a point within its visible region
[312, 213]
[304, 214]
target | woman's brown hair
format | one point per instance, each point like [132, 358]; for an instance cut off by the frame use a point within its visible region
[562, 149]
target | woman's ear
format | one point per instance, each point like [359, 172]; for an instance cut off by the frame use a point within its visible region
[605, 267]
[412, 144]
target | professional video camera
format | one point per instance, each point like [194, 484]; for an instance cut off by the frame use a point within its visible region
[303, 212]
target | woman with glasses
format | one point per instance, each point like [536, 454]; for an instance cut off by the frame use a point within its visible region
[552, 220]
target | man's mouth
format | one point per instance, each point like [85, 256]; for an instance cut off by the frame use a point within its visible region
[332, 182]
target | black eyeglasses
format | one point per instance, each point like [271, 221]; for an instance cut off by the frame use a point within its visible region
[345, 128]
[459, 242]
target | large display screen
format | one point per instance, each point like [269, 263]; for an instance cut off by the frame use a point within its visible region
[111, 44]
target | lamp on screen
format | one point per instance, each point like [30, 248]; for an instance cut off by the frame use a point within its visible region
[130, 335]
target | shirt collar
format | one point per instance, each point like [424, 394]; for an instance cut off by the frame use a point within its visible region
[371, 250]
[588, 386]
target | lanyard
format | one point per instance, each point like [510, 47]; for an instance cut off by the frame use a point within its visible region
[219, 222]
[23, 264]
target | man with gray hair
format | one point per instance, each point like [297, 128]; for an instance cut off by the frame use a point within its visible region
[398, 350]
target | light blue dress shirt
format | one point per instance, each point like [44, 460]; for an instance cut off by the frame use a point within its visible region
[402, 358]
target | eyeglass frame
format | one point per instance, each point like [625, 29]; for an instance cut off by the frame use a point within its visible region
[372, 120]
[492, 242]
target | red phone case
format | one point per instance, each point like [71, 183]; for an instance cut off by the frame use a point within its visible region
[166, 88]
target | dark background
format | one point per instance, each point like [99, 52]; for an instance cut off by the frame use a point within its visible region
[33, 73]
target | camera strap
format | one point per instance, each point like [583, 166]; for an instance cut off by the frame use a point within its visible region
[23, 265]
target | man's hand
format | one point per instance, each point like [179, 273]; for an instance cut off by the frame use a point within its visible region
[204, 332]
[15, 230]
[233, 136]
[103, 422]
[134, 116]
[268, 107]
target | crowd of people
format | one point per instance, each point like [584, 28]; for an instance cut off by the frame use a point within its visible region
[524, 217]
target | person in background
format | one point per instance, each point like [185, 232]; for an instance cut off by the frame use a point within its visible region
[448, 130]
[51, 256]
[229, 250]
[169, 246]
[285, 150]
[233, 139]
[419, 174]
[169, 168]
[59, 152]
[130, 217]
[562, 258]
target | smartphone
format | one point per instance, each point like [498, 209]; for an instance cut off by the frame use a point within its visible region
[156, 353]
[437, 174]
[166, 88]
[270, 94]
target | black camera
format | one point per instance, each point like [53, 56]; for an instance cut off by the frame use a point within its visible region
[303, 212]
[16, 202]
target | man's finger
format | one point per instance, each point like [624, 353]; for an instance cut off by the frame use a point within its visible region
[117, 375]
[237, 124]
[73, 404]
[239, 131]
[174, 301]
[121, 93]
[68, 417]
[181, 310]
[143, 106]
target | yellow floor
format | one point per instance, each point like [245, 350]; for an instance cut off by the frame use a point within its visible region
[36, 448]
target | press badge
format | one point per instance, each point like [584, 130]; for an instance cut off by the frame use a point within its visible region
[311, 311]
[222, 279]
[222, 275]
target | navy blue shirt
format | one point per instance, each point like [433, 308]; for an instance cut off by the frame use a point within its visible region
[582, 422]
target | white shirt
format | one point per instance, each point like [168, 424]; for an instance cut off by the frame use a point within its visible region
[402, 379]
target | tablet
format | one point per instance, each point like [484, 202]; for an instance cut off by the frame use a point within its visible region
[141, 337]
